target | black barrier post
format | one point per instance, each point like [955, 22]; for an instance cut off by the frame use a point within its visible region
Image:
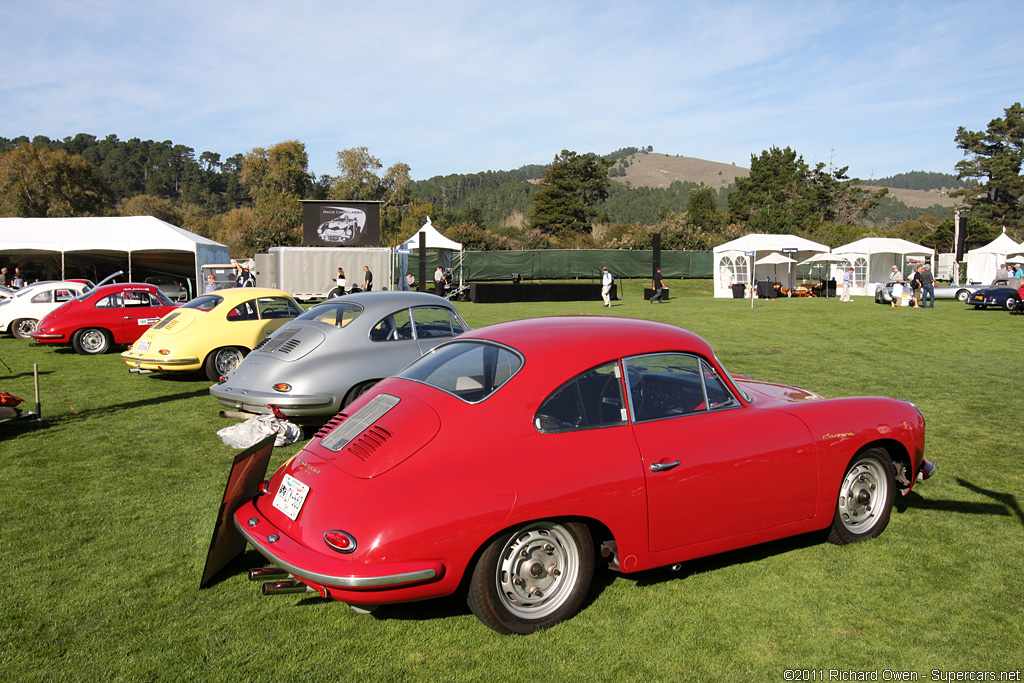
[423, 261]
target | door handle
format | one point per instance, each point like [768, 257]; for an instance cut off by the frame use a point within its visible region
[663, 466]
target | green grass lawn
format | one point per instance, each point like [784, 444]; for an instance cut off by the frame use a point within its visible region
[109, 505]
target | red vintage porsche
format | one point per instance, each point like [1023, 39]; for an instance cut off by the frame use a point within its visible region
[504, 462]
[102, 317]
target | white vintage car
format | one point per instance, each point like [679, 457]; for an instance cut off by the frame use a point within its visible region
[20, 313]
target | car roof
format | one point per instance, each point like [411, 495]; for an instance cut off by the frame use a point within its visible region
[236, 295]
[586, 341]
[121, 287]
[374, 301]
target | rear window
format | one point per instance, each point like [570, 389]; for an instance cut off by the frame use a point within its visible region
[206, 302]
[335, 314]
[469, 370]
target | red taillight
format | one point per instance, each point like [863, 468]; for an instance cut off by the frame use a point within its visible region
[262, 487]
[341, 541]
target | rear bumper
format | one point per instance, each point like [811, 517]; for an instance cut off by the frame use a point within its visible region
[162, 364]
[343, 580]
[289, 404]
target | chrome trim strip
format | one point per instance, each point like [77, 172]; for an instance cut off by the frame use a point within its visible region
[168, 361]
[343, 581]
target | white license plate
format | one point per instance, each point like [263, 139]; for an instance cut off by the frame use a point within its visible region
[143, 346]
[290, 496]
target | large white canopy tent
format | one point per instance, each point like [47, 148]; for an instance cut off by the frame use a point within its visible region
[872, 259]
[732, 264]
[93, 247]
[434, 240]
[983, 262]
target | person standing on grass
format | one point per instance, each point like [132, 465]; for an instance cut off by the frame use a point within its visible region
[658, 285]
[606, 287]
[847, 284]
[915, 286]
[927, 287]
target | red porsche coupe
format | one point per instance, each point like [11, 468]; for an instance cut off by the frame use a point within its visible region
[504, 462]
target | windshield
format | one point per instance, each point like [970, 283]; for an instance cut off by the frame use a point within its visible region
[470, 370]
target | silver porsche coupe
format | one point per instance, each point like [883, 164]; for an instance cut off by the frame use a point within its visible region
[321, 361]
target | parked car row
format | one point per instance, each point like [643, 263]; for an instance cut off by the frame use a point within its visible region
[883, 295]
[566, 439]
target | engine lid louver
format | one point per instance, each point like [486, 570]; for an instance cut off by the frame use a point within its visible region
[357, 428]
[282, 341]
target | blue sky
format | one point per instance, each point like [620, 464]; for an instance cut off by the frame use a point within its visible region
[451, 86]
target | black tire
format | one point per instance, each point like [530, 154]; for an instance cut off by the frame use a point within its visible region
[21, 328]
[222, 361]
[978, 307]
[91, 341]
[865, 498]
[532, 577]
[1010, 303]
[357, 391]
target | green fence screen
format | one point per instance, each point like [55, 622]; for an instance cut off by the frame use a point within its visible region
[565, 264]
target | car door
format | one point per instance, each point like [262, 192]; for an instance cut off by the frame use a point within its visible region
[713, 467]
[140, 309]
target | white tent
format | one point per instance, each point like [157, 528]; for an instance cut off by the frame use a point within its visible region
[434, 240]
[983, 262]
[872, 259]
[733, 260]
[145, 243]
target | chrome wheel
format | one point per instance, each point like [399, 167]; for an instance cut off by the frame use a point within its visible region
[536, 572]
[865, 498]
[533, 577]
[222, 361]
[22, 328]
[91, 341]
[962, 295]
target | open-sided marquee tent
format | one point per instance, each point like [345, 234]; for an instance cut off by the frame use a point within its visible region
[983, 262]
[434, 240]
[733, 260]
[872, 259]
[92, 247]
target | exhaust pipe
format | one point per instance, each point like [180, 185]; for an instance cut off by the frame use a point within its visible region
[140, 371]
[279, 587]
[264, 573]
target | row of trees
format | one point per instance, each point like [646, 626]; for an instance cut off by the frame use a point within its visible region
[250, 201]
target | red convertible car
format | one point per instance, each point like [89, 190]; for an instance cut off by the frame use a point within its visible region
[107, 315]
[505, 461]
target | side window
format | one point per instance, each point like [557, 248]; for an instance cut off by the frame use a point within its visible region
[64, 295]
[671, 384]
[587, 401]
[393, 328]
[135, 299]
[276, 307]
[112, 301]
[434, 322]
[243, 311]
[43, 298]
